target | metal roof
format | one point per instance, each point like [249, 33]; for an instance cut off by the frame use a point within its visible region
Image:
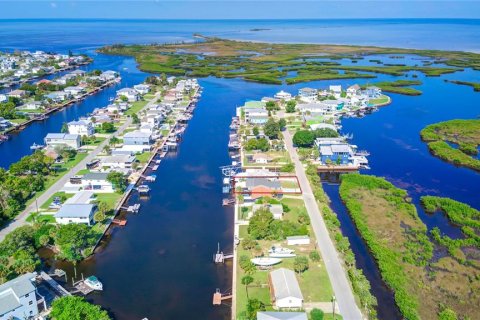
[276, 315]
[11, 291]
[75, 211]
[285, 284]
[255, 182]
[95, 176]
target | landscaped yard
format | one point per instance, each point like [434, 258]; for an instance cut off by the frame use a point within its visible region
[136, 107]
[110, 199]
[143, 157]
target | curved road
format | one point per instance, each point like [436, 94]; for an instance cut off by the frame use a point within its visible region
[343, 291]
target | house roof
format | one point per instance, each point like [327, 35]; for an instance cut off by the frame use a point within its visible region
[136, 134]
[344, 148]
[297, 237]
[11, 291]
[256, 182]
[354, 87]
[276, 315]
[62, 136]
[82, 197]
[255, 104]
[285, 284]
[326, 150]
[95, 176]
[80, 210]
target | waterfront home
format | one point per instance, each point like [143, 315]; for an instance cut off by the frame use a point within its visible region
[31, 105]
[108, 75]
[63, 139]
[18, 299]
[118, 161]
[81, 197]
[282, 95]
[97, 182]
[129, 93]
[308, 94]
[354, 90]
[298, 240]
[76, 213]
[275, 209]
[336, 90]
[81, 127]
[334, 151]
[137, 137]
[3, 98]
[142, 88]
[57, 96]
[256, 115]
[78, 73]
[317, 109]
[74, 90]
[4, 124]
[285, 291]
[17, 94]
[261, 158]
[277, 315]
[373, 92]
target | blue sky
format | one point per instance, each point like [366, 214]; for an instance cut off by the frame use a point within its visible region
[234, 9]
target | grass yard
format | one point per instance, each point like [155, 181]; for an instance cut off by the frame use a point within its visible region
[57, 194]
[143, 157]
[111, 199]
[136, 107]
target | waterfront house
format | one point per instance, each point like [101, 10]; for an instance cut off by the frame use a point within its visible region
[137, 137]
[285, 291]
[277, 315]
[97, 182]
[282, 95]
[63, 139]
[76, 213]
[78, 73]
[333, 105]
[373, 92]
[336, 90]
[81, 127]
[334, 151]
[129, 93]
[354, 90]
[142, 88]
[3, 97]
[316, 109]
[298, 240]
[308, 94]
[4, 123]
[20, 94]
[18, 299]
[108, 75]
[261, 158]
[275, 209]
[118, 161]
[74, 90]
[81, 197]
[256, 115]
[57, 96]
[31, 105]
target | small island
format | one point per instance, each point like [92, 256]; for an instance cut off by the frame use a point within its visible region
[455, 141]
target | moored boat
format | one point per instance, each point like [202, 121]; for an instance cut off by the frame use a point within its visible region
[265, 261]
[94, 283]
[279, 252]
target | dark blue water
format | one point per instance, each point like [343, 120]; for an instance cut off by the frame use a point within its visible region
[159, 264]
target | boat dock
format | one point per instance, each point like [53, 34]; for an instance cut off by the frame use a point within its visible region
[220, 257]
[218, 297]
[119, 222]
[82, 288]
[61, 291]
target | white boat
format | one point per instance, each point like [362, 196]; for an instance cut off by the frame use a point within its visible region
[94, 283]
[279, 252]
[36, 146]
[265, 261]
[111, 99]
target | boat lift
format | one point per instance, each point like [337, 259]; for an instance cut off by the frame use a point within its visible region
[220, 257]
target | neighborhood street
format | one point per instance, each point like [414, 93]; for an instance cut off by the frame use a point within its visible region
[341, 287]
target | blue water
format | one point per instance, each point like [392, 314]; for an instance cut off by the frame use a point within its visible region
[163, 255]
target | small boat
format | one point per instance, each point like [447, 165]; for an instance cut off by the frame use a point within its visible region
[111, 99]
[279, 252]
[36, 146]
[151, 178]
[94, 283]
[143, 188]
[265, 262]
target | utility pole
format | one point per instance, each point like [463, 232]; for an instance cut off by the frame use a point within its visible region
[333, 306]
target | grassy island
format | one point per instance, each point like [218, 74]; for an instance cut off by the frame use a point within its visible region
[474, 85]
[455, 141]
[400, 87]
[276, 63]
[424, 284]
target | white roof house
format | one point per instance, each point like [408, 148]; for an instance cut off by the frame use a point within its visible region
[118, 161]
[284, 289]
[142, 88]
[75, 213]
[81, 127]
[298, 240]
[282, 95]
[129, 93]
[63, 139]
[276, 315]
[18, 299]
[97, 182]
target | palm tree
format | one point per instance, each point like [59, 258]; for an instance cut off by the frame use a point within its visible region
[246, 280]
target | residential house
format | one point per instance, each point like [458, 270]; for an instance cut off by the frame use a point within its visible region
[118, 161]
[58, 96]
[261, 158]
[97, 182]
[81, 127]
[373, 92]
[308, 94]
[137, 137]
[129, 93]
[3, 98]
[314, 108]
[298, 240]
[63, 139]
[277, 315]
[18, 94]
[336, 90]
[256, 115]
[333, 105]
[108, 75]
[31, 105]
[142, 88]
[262, 187]
[74, 90]
[275, 209]
[76, 213]
[285, 291]
[4, 123]
[354, 90]
[282, 95]
[18, 299]
[334, 151]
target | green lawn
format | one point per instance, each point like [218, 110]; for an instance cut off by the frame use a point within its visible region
[48, 218]
[110, 199]
[57, 194]
[143, 157]
[383, 99]
[136, 107]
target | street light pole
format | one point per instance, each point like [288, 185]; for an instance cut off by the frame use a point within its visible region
[333, 306]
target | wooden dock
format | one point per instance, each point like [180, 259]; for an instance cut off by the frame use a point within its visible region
[54, 284]
[119, 222]
[218, 297]
[82, 288]
[228, 202]
[337, 169]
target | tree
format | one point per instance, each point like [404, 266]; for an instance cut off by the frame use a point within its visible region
[303, 138]
[102, 210]
[135, 119]
[248, 243]
[253, 306]
[114, 141]
[152, 80]
[117, 179]
[289, 167]
[271, 129]
[4, 269]
[247, 266]
[76, 308]
[72, 240]
[107, 149]
[271, 106]
[24, 262]
[257, 144]
[282, 123]
[300, 264]
[325, 133]
[255, 131]
[316, 314]
[246, 280]
[259, 226]
[314, 256]
[290, 108]
[108, 127]
[447, 314]
[123, 98]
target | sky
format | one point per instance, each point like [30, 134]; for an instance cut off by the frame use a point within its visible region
[234, 9]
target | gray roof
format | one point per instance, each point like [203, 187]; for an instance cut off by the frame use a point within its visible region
[275, 315]
[136, 134]
[95, 176]
[285, 284]
[81, 197]
[75, 211]
[343, 148]
[254, 182]
[311, 106]
[63, 136]
[326, 151]
[11, 291]
[297, 237]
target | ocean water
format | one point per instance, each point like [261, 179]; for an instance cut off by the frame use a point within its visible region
[164, 253]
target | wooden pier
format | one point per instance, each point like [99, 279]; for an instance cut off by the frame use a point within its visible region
[54, 284]
[119, 222]
[218, 297]
[337, 169]
[228, 202]
[220, 257]
[82, 288]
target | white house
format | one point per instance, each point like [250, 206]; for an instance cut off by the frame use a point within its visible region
[81, 127]
[97, 182]
[313, 108]
[353, 90]
[18, 299]
[308, 94]
[74, 90]
[256, 115]
[277, 315]
[142, 88]
[63, 139]
[282, 95]
[31, 105]
[129, 93]
[261, 158]
[298, 240]
[284, 289]
[76, 213]
[336, 90]
[118, 161]
[3, 98]
[108, 75]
